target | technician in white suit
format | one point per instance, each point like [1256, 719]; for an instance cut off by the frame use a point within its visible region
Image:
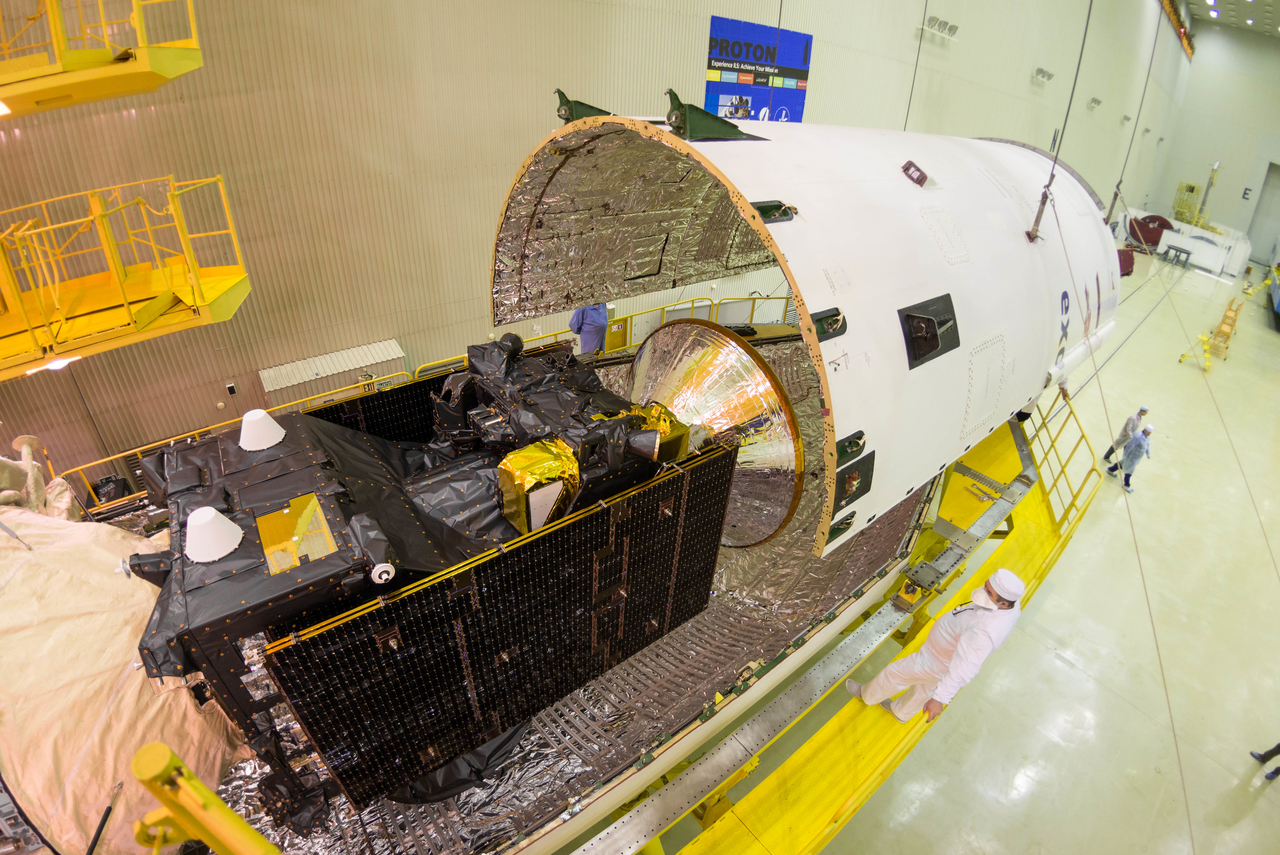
[958, 644]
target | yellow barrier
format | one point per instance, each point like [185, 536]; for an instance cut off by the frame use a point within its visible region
[188, 809]
[104, 268]
[302, 404]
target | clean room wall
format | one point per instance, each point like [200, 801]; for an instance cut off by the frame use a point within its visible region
[1229, 114]
[367, 155]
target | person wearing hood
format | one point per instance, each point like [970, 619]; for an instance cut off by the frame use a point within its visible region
[958, 644]
[1127, 433]
[590, 322]
[1137, 448]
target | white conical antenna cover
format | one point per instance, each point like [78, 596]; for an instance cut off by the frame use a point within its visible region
[210, 536]
[258, 431]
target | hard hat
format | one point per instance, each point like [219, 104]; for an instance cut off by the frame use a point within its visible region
[1007, 585]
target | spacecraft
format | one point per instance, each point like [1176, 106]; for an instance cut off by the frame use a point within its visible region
[381, 593]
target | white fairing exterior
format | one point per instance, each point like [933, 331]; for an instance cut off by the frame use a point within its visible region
[869, 241]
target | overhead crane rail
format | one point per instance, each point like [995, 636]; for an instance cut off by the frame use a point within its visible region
[76, 51]
[92, 271]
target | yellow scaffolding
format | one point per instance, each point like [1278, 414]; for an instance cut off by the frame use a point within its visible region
[93, 271]
[76, 51]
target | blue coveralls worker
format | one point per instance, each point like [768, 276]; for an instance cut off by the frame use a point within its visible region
[590, 323]
[1138, 448]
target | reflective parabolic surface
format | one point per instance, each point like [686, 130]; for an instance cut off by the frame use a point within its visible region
[719, 386]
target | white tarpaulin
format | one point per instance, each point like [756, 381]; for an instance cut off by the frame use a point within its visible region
[73, 709]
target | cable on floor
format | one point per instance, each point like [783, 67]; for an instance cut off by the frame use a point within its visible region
[1231, 441]
[1133, 532]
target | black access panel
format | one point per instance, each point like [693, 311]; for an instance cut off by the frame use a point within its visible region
[402, 686]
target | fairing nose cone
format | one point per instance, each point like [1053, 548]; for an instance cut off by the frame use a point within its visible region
[210, 536]
[718, 385]
[258, 431]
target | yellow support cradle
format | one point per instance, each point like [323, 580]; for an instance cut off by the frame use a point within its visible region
[98, 270]
[76, 51]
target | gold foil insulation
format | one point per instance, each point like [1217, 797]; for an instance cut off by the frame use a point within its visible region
[675, 433]
[530, 469]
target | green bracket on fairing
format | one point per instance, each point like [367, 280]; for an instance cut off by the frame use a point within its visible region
[693, 123]
[571, 111]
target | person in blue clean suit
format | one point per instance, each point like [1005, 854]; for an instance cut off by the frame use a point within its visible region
[590, 323]
[1138, 447]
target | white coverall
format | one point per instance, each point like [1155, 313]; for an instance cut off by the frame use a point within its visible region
[1127, 432]
[949, 658]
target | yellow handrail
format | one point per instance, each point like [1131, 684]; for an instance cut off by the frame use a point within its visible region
[188, 808]
[693, 304]
[303, 403]
[1047, 447]
[751, 316]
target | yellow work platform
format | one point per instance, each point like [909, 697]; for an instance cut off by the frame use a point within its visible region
[67, 54]
[93, 271]
[1026, 486]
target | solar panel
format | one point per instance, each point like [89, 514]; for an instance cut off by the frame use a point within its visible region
[439, 668]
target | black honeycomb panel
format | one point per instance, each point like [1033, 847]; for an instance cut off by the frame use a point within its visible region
[487, 648]
[401, 413]
[700, 537]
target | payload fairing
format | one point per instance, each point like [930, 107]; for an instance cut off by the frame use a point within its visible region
[929, 316]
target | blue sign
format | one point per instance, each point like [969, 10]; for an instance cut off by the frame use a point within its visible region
[757, 72]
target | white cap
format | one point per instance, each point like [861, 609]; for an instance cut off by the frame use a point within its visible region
[1149, 428]
[1007, 585]
[210, 536]
[258, 431]
[1144, 408]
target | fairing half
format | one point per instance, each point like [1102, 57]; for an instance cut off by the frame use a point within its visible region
[609, 207]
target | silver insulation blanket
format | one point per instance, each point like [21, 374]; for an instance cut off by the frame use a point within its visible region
[604, 213]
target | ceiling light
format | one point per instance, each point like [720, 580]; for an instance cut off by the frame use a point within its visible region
[1250, 21]
[55, 364]
[4, 111]
[1213, 13]
[1211, 2]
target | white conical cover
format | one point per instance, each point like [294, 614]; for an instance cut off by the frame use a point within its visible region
[258, 431]
[210, 536]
